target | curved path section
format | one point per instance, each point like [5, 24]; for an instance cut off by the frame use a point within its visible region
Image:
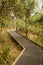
[32, 55]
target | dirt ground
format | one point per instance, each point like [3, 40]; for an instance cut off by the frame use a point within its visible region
[14, 48]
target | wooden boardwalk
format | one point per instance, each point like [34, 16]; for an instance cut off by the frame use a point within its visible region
[33, 55]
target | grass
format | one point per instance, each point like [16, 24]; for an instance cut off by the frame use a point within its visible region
[9, 48]
[35, 32]
[14, 48]
[6, 41]
[33, 37]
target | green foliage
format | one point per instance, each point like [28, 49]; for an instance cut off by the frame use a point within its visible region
[21, 25]
[6, 51]
[38, 17]
[21, 9]
[2, 23]
[4, 55]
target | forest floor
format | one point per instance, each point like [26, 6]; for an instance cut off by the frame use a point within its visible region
[6, 41]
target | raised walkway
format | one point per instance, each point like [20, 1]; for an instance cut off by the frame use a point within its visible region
[32, 55]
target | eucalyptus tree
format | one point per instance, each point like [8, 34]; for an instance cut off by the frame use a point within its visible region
[30, 5]
[23, 9]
